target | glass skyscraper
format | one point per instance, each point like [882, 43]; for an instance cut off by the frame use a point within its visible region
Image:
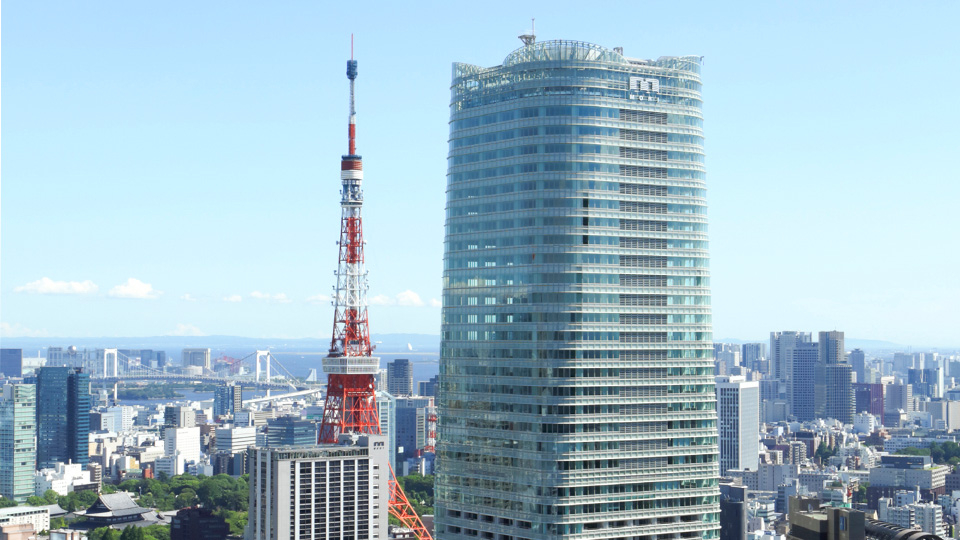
[63, 416]
[18, 450]
[576, 376]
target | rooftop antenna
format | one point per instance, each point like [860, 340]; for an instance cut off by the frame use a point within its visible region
[529, 39]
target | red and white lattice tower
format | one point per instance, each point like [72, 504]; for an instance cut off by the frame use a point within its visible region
[351, 404]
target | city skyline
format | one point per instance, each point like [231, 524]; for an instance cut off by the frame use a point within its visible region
[136, 142]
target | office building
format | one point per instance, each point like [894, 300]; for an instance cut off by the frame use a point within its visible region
[738, 423]
[184, 442]
[400, 377]
[228, 400]
[808, 521]
[386, 407]
[858, 360]
[802, 381]
[234, 439]
[781, 351]
[330, 491]
[18, 449]
[291, 431]
[11, 362]
[868, 398]
[576, 289]
[898, 473]
[841, 402]
[754, 356]
[831, 348]
[195, 357]
[37, 517]
[179, 416]
[63, 416]
[428, 388]
[413, 424]
[733, 511]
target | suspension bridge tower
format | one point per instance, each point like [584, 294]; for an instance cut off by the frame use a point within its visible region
[351, 404]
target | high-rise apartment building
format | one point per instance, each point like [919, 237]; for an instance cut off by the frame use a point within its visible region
[576, 348]
[11, 362]
[195, 357]
[18, 449]
[738, 421]
[330, 491]
[400, 377]
[228, 400]
[63, 416]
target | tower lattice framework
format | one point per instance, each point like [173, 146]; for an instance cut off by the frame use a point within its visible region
[351, 404]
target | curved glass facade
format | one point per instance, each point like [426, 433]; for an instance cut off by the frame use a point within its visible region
[577, 392]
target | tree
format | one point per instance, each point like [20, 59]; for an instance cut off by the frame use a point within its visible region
[132, 533]
[51, 496]
[103, 533]
[7, 503]
[34, 500]
[187, 497]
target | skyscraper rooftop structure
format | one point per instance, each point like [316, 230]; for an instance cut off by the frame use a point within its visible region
[576, 375]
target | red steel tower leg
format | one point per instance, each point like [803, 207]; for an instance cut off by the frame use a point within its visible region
[351, 404]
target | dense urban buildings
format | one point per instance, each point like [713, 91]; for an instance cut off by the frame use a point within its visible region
[331, 491]
[63, 416]
[18, 449]
[576, 356]
[400, 377]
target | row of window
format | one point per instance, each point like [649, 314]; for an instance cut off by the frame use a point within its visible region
[577, 167]
[470, 226]
[658, 137]
[576, 149]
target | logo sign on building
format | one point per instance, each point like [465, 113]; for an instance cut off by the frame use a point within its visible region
[645, 86]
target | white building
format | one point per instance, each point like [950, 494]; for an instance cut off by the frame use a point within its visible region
[61, 479]
[738, 422]
[235, 439]
[865, 423]
[287, 484]
[118, 418]
[38, 516]
[182, 441]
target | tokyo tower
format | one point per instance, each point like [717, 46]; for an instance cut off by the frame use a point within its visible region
[351, 404]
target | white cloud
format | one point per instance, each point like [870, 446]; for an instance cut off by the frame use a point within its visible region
[188, 297]
[233, 298]
[134, 288]
[46, 285]
[280, 298]
[18, 330]
[319, 299]
[186, 330]
[381, 300]
[409, 298]
[435, 303]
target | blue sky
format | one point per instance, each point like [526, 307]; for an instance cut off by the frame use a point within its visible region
[163, 160]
